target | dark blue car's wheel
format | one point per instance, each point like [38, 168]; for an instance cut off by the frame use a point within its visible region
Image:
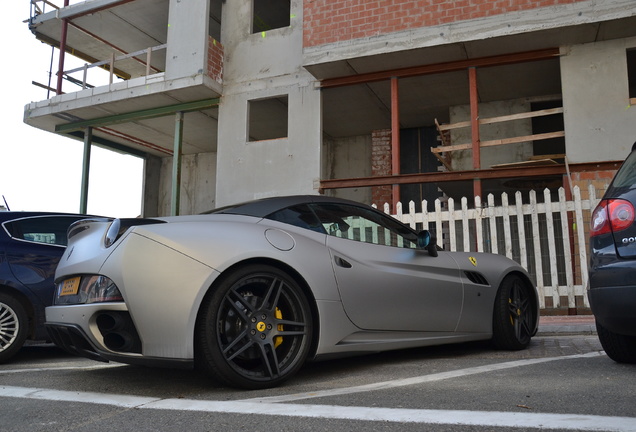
[13, 326]
[514, 315]
[620, 348]
[254, 330]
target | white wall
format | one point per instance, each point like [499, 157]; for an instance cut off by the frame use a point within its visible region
[187, 38]
[348, 157]
[600, 125]
[198, 174]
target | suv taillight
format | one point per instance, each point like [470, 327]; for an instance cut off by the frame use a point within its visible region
[611, 216]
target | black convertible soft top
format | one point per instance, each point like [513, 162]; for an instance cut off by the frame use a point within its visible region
[266, 206]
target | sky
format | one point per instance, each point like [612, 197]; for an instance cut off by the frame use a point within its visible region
[40, 170]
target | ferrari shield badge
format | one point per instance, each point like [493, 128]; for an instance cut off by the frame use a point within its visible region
[473, 261]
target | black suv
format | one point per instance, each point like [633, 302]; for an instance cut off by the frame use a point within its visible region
[31, 244]
[612, 285]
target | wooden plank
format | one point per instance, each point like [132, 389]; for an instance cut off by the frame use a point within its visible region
[554, 274]
[536, 162]
[567, 251]
[536, 245]
[443, 161]
[548, 156]
[535, 137]
[510, 117]
[524, 115]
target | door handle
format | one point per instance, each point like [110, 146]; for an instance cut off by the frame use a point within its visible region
[340, 262]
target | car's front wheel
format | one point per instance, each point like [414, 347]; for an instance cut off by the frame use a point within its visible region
[618, 347]
[514, 316]
[255, 328]
[13, 326]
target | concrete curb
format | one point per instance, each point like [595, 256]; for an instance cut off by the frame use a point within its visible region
[567, 325]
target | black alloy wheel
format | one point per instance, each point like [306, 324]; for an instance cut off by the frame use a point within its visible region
[514, 316]
[255, 328]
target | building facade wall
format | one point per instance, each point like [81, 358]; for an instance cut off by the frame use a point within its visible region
[329, 22]
[187, 48]
[198, 184]
[600, 123]
[349, 157]
[260, 66]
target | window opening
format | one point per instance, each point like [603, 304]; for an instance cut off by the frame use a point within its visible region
[214, 21]
[631, 73]
[270, 14]
[268, 118]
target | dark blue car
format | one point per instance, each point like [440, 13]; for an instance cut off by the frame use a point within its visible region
[31, 244]
[612, 286]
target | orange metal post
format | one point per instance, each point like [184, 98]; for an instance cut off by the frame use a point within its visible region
[60, 67]
[395, 139]
[474, 125]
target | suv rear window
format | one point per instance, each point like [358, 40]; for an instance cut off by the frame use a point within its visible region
[626, 175]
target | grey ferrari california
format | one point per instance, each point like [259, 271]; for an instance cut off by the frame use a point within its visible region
[250, 292]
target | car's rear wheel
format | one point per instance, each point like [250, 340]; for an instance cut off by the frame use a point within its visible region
[254, 330]
[514, 315]
[13, 326]
[618, 347]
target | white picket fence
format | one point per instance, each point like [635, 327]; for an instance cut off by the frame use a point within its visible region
[548, 238]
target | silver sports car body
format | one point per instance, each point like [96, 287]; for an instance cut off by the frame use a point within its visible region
[249, 292]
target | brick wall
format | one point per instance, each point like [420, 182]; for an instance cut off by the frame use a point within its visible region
[381, 165]
[329, 21]
[600, 180]
[215, 60]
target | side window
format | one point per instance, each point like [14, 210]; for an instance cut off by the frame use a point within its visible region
[364, 225]
[45, 229]
[300, 216]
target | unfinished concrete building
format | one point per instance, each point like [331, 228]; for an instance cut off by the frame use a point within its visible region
[374, 100]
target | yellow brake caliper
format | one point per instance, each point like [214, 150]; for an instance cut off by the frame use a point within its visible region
[512, 321]
[278, 339]
[518, 311]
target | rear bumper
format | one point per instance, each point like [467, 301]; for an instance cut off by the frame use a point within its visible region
[74, 340]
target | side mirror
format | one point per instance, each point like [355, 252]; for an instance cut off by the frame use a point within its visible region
[426, 241]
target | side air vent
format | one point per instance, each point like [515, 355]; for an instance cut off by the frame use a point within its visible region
[476, 278]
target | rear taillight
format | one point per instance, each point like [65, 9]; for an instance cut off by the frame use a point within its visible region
[611, 216]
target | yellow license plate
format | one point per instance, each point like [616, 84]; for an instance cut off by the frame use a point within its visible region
[70, 286]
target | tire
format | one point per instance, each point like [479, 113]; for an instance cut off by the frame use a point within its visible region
[514, 315]
[255, 328]
[618, 347]
[13, 326]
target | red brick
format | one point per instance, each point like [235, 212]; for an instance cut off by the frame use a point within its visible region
[340, 18]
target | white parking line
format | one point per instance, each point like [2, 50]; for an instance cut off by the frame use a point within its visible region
[419, 379]
[273, 406]
[58, 368]
[577, 422]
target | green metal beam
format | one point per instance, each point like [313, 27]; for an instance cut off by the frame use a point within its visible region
[138, 115]
[86, 163]
[176, 165]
